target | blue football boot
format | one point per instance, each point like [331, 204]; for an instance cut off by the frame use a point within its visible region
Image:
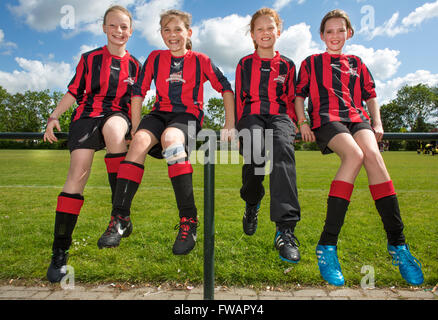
[409, 266]
[328, 264]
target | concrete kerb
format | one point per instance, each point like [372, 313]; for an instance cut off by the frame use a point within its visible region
[167, 292]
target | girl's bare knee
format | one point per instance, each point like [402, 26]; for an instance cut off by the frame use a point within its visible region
[353, 160]
[141, 141]
[354, 156]
[374, 159]
[359, 156]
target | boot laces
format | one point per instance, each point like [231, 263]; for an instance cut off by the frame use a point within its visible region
[114, 220]
[289, 238]
[111, 226]
[185, 226]
[406, 258]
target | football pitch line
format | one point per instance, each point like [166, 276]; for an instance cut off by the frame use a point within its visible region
[20, 186]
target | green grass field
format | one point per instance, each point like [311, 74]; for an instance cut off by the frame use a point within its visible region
[30, 181]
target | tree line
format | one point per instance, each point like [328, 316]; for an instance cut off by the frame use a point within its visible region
[415, 109]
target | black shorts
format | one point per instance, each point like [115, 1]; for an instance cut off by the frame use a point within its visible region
[325, 133]
[87, 133]
[157, 121]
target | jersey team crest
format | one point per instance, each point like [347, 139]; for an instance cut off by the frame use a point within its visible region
[176, 77]
[281, 78]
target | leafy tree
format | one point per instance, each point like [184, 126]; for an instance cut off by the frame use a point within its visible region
[392, 117]
[417, 104]
[20, 116]
[5, 98]
[435, 109]
[413, 110]
[65, 119]
[26, 112]
[146, 108]
[214, 114]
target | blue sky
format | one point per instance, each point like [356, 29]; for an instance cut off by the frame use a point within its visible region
[41, 40]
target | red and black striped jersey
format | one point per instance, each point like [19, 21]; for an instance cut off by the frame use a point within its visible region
[265, 86]
[103, 83]
[337, 87]
[179, 81]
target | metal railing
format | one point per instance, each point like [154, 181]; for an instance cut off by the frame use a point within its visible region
[209, 196]
[386, 135]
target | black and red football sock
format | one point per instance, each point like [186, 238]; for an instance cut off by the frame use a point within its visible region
[129, 178]
[386, 202]
[337, 206]
[180, 175]
[112, 162]
[67, 212]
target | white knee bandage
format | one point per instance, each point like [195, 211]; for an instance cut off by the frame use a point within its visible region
[174, 153]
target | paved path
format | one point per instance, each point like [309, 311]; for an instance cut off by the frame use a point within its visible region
[147, 292]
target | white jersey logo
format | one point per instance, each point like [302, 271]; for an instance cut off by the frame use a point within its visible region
[352, 70]
[176, 77]
[280, 78]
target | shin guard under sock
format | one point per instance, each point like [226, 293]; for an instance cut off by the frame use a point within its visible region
[180, 175]
[112, 162]
[67, 212]
[337, 206]
[128, 180]
[387, 205]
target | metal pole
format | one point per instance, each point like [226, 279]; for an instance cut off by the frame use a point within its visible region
[209, 226]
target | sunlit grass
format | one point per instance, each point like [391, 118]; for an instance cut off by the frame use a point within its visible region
[30, 181]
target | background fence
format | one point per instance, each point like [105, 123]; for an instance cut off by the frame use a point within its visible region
[386, 136]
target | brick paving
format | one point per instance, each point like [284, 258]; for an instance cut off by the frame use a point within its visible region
[147, 292]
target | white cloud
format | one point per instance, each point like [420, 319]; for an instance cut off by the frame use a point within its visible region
[45, 15]
[280, 4]
[296, 43]
[392, 27]
[224, 40]
[147, 19]
[84, 48]
[387, 91]
[383, 63]
[150, 94]
[425, 12]
[35, 75]
[6, 46]
[389, 28]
